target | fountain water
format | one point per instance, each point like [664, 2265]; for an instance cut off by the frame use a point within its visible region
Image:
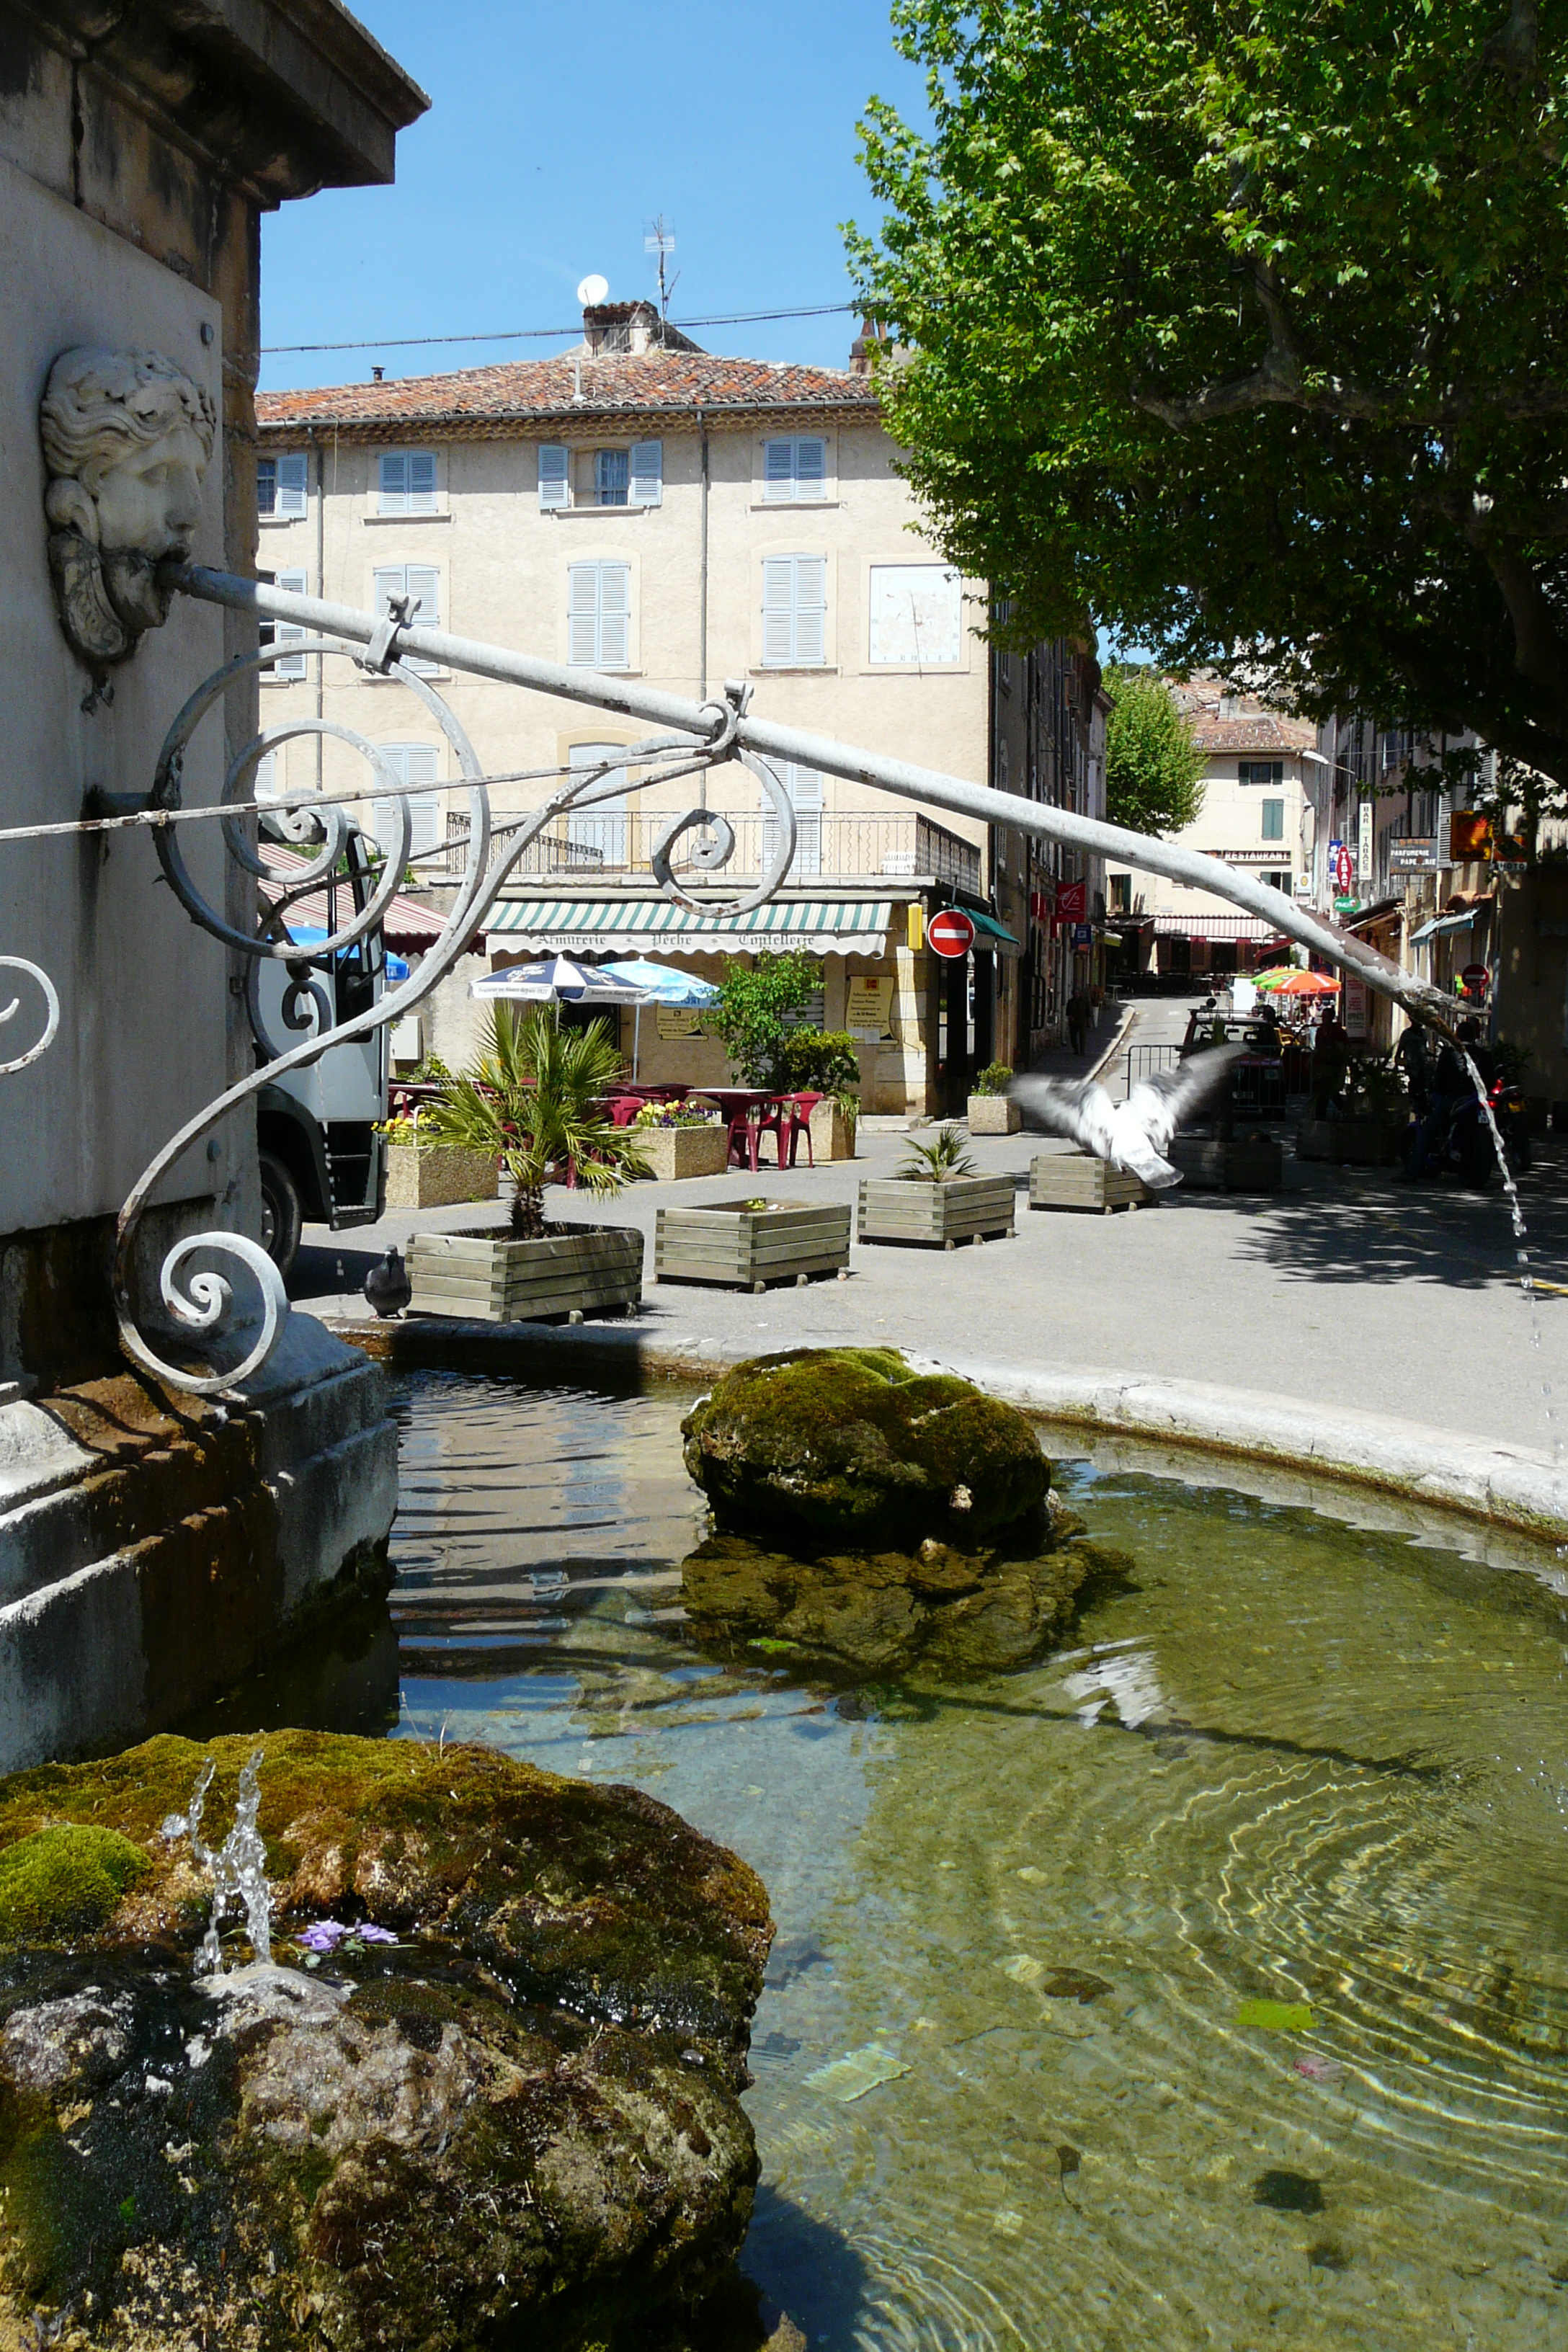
[238, 1866]
[1521, 1252]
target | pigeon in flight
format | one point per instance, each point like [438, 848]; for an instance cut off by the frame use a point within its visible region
[1137, 1133]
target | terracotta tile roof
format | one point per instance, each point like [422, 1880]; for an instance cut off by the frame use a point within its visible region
[1254, 730]
[523, 391]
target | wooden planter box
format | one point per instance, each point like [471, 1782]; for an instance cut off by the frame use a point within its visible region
[968, 1209]
[1207, 1165]
[489, 1278]
[438, 1175]
[676, 1152]
[1353, 1143]
[994, 1115]
[1073, 1180]
[727, 1242]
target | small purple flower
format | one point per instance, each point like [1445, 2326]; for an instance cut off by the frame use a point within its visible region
[324, 1935]
[369, 1934]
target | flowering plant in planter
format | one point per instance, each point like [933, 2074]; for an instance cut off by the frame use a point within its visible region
[532, 1098]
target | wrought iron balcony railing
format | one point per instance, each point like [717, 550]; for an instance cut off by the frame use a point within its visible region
[857, 846]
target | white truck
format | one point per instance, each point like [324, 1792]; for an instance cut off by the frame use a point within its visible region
[318, 1129]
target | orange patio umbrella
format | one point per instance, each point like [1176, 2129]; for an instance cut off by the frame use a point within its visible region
[1292, 982]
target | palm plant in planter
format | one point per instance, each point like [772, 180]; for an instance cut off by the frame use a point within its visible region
[936, 1196]
[533, 1099]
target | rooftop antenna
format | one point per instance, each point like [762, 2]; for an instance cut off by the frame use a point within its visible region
[658, 239]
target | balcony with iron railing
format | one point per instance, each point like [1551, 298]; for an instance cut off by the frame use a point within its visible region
[614, 845]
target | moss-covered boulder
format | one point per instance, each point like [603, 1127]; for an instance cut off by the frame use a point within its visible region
[855, 1443]
[516, 2123]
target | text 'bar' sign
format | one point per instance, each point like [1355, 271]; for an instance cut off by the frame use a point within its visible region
[950, 933]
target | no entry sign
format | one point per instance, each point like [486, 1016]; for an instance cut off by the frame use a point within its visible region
[950, 933]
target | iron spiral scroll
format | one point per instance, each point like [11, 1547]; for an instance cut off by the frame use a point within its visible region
[199, 1298]
[51, 1012]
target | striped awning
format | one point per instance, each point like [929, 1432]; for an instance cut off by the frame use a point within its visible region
[592, 926]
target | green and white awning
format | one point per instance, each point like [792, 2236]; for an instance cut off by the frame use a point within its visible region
[593, 926]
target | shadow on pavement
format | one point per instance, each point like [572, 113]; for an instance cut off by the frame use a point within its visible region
[1388, 1231]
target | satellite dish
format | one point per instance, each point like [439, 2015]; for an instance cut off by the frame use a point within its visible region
[592, 289]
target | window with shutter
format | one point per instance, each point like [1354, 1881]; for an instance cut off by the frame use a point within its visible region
[794, 611]
[803, 786]
[264, 784]
[282, 486]
[596, 836]
[423, 583]
[598, 615]
[612, 474]
[1273, 820]
[555, 475]
[289, 664]
[407, 481]
[794, 470]
[648, 473]
[411, 763]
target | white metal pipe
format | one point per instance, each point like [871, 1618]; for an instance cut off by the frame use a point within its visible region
[630, 700]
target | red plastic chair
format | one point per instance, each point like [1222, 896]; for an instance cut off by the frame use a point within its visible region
[799, 1109]
[744, 1134]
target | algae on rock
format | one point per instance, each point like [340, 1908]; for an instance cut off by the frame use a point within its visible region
[857, 1443]
[520, 2123]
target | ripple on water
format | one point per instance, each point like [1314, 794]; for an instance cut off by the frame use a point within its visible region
[1300, 1766]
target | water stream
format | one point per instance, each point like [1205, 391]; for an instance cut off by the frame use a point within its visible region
[1206, 1985]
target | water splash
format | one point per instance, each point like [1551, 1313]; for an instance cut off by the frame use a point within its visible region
[1521, 1253]
[238, 1866]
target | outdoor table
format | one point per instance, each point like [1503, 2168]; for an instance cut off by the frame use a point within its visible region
[744, 1111]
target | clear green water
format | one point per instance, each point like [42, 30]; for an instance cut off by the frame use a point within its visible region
[1300, 1764]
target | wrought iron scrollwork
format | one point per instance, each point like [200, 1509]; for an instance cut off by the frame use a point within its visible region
[51, 1012]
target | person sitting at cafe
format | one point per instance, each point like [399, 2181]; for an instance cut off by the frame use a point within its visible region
[1332, 1055]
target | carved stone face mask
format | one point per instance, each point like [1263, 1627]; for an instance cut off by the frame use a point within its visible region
[128, 438]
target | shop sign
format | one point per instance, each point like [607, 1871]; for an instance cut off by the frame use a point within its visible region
[1364, 842]
[1342, 867]
[1469, 836]
[678, 1021]
[1083, 936]
[1414, 855]
[868, 1011]
[1347, 906]
[1072, 901]
[1356, 1008]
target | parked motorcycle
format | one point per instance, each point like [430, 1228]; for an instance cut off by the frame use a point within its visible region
[1467, 1150]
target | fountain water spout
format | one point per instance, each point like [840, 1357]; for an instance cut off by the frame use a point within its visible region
[238, 1866]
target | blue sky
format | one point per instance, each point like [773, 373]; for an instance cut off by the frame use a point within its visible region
[554, 137]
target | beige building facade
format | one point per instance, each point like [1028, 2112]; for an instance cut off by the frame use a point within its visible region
[642, 508]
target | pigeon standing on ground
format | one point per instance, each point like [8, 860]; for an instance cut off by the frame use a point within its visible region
[1135, 1134]
[387, 1286]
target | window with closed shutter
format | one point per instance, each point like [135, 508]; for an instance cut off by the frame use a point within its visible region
[596, 836]
[282, 485]
[421, 582]
[407, 481]
[648, 473]
[803, 786]
[1273, 820]
[794, 612]
[598, 615]
[280, 633]
[412, 765]
[555, 475]
[795, 469]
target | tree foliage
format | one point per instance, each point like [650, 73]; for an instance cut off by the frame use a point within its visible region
[1238, 326]
[748, 1014]
[532, 1098]
[1153, 766]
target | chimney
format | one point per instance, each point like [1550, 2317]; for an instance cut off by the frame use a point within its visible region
[860, 349]
[620, 328]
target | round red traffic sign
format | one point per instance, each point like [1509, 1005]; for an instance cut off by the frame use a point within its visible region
[950, 933]
[1475, 975]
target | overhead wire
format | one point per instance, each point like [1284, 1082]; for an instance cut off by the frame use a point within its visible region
[549, 334]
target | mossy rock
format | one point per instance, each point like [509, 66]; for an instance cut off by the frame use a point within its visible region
[857, 1444]
[520, 2125]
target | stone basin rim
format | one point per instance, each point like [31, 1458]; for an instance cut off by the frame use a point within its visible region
[1502, 1486]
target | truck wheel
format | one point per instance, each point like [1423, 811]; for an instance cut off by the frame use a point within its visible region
[281, 1214]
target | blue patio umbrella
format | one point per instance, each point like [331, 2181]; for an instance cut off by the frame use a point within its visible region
[661, 984]
[308, 936]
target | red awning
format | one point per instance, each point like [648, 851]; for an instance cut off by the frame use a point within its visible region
[409, 927]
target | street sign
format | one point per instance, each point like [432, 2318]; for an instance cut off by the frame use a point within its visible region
[1476, 976]
[950, 933]
[1083, 935]
[1341, 868]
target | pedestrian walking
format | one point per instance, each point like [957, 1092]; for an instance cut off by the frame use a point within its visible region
[1078, 1010]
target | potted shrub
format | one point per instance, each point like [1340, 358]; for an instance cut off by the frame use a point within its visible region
[936, 1196]
[532, 1101]
[677, 1142]
[991, 1110]
[750, 1241]
[436, 1178]
[753, 1012]
[824, 1062]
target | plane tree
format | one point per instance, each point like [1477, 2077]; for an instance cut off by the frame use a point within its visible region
[1240, 327]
